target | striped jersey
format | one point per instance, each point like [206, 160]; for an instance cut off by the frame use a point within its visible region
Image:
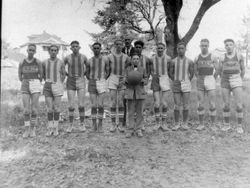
[160, 65]
[54, 70]
[76, 65]
[96, 68]
[231, 65]
[205, 64]
[30, 70]
[118, 63]
[182, 68]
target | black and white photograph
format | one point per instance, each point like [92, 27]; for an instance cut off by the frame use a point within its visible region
[125, 94]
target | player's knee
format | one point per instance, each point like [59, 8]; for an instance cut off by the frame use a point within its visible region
[26, 111]
[200, 107]
[239, 109]
[185, 106]
[177, 107]
[226, 108]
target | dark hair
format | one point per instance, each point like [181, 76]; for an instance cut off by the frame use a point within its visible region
[54, 45]
[135, 54]
[228, 40]
[97, 43]
[31, 44]
[205, 40]
[74, 42]
[160, 43]
[181, 43]
[139, 42]
[118, 39]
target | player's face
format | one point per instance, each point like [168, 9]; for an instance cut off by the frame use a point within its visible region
[118, 45]
[204, 47]
[53, 51]
[135, 59]
[229, 46]
[97, 49]
[160, 49]
[31, 51]
[181, 49]
[138, 48]
[75, 48]
[127, 42]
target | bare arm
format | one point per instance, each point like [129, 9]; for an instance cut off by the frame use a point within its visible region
[171, 70]
[195, 67]
[87, 73]
[20, 72]
[191, 70]
[216, 67]
[63, 72]
[242, 67]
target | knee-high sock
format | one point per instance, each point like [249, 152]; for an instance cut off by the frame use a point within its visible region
[33, 119]
[226, 114]
[93, 114]
[81, 113]
[121, 114]
[113, 114]
[157, 114]
[201, 113]
[176, 115]
[100, 113]
[71, 115]
[212, 113]
[26, 119]
[185, 115]
[239, 115]
[164, 114]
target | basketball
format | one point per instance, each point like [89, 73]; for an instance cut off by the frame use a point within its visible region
[134, 77]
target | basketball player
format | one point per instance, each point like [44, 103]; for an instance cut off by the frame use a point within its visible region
[76, 63]
[30, 74]
[160, 84]
[182, 72]
[232, 70]
[205, 66]
[97, 74]
[117, 64]
[54, 75]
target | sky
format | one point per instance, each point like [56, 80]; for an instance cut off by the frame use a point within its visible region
[70, 20]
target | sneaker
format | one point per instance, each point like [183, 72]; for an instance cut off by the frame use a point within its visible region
[69, 128]
[176, 127]
[113, 128]
[121, 129]
[239, 129]
[164, 127]
[49, 132]
[139, 133]
[226, 127]
[129, 134]
[185, 126]
[26, 132]
[200, 127]
[33, 132]
[82, 127]
[55, 129]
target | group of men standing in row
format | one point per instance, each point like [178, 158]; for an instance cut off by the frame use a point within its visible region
[113, 71]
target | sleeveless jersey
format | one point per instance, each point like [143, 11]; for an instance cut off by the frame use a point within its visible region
[96, 67]
[53, 70]
[231, 65]
[160, 65]
[181, 68]
[76, 65]
[118, 63]
[30, 70]
[205, 65]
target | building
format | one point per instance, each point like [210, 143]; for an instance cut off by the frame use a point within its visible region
[43, 41]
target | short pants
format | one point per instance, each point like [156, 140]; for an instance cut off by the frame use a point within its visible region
[31, 86]
[231, 81]
[206, 83]
[75, 83]
[53, 89]
[97, 86]
[160, 83]
[182, 86]
[114, 82]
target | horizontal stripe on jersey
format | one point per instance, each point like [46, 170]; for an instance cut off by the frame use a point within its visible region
[160, 65]
[30, 70]
[76, 65]
[181, 69]
[231, 65]
[205, 65]
[97, 67]
[118, 63]
[53, 70]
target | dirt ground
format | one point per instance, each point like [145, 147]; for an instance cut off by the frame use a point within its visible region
[171, 159]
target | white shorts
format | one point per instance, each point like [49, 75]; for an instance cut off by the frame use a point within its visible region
[164, 83]
[114, 82]
[101, 85]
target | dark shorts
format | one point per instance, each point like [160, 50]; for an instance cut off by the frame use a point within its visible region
[30, 86]
[181, 86]
[160, 83]
[97, 86]
[75, 83]
[92, 87]
[231, 81]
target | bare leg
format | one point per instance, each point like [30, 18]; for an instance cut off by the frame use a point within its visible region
[26, 105]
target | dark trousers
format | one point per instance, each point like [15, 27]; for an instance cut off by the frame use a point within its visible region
[135, 107]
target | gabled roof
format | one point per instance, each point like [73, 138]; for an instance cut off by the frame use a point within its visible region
[45, 38]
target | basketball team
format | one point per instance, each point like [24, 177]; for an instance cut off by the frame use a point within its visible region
[126, 72]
